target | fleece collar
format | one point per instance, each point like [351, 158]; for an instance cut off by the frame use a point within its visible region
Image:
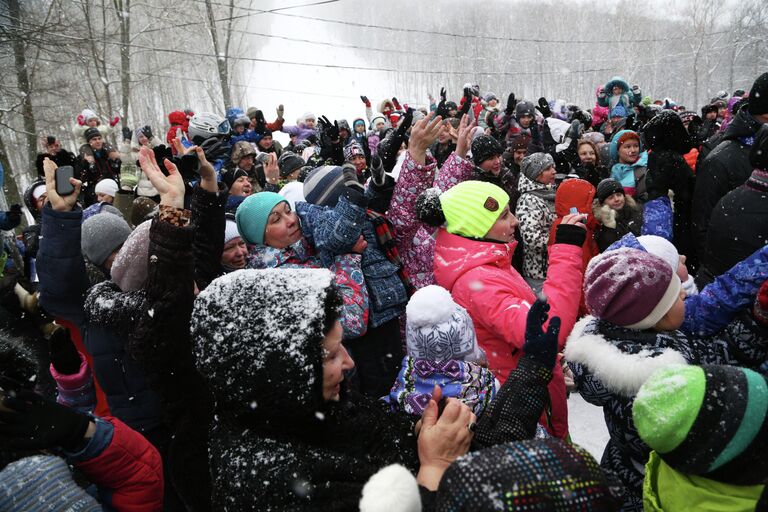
[619, 372]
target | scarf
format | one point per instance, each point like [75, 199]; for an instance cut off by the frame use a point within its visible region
[386, 238]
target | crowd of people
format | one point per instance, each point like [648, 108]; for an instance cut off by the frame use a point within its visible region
[391, 314]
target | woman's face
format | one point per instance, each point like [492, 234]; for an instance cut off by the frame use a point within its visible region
[525, 121]
[629, 152]
[492, 165]
[586, 154]
[615, 201]
[283, 227]
[503, 230]
[235, 253]
[617, 90]
[96, 143]
[241, 187]
[336, 361]
[142, 139]
[547, 177]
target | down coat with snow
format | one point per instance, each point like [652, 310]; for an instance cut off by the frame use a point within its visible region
[536, 213]
[610, 363]
[481, 279]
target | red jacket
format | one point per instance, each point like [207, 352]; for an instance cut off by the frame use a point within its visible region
[130, 467]
[481, 279]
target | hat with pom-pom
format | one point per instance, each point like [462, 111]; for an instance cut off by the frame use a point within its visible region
[472, 207]
[438, 329]
[391, 488]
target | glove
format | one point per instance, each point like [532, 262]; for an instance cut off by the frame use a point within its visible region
[330, 131]
[64, 355]
[366, 101]
[350, 178]
[147, 131]
[127, 133]
[81, 119]
[443, 94]
[760, 309]
[541, 346]
[544, 107]
[607, 216]
[114, 121]
[13, 216]
[378, 176]
[280, 111]
[631, 124]
[570, 234]
[511, 103]
[405, 123]
[37, 423]
[396, 103]
[636, 89]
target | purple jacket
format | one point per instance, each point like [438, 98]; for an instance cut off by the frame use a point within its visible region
[300, 131]
[415, 240]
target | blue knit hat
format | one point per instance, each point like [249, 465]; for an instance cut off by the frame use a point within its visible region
[323, 186]
[253, 213]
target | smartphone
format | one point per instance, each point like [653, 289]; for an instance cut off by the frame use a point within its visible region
[63, 174]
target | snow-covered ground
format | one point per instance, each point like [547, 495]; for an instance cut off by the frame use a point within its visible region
[586, 425]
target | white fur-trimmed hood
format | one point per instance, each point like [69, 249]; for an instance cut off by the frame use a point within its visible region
[619, 372]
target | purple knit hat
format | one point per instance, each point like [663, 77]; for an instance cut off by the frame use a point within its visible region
[630, 288]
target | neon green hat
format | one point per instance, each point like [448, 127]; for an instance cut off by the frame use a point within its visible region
[472, 207]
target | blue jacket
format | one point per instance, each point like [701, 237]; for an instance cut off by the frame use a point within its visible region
[334, 231]
[106, 327]
[658, 218]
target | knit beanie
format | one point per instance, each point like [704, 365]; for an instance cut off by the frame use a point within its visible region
[630, 288]
[662, 248]
[39, 191]
[353, 149]
[758, 96]
[438, 329]
[607, 188]
[485, 147]
[490, 96]
[619, 139]
[524, 108]
[253, 213]
[472, 207]
[707, 420]
[594, 137]
[101, 235]
[88, 114]
[131, 266]
[229, 176]
[91, 133]
[106, 186]
[142, 208]
[324, 185]
[537, 474]
[289, 162]
[535, 164]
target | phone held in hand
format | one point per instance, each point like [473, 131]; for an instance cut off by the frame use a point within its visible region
[63, 185]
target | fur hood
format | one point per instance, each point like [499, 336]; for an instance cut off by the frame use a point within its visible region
[622, 366]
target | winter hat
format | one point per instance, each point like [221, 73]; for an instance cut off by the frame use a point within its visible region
[472, 207]
[438, 329]
[687, 115]
[142, 209]
[519, 143]
[595, 138]
[375, 119]
[524, 108]
[391, 488]
[98, 208]
[91, 133]
[618, 111]
[353, 149]
[630, 288]
[485, 147]
[324, 185]
[101, 235]
[88, 114]
[758, 96]
[253, 213]
[131, 266]
[619, 139]
[599, 115]
[535, 164]
[307, 116]
[707, 420]
[501, 478]
[490, 96]
[106, 186]
[607, 188]
[39, 191]
[667, 131]
[233, 202]
[242, 149]
[758, 155]
[357, 122]
[230, 230]
[229, 176]
[662, 248]
[289, 162]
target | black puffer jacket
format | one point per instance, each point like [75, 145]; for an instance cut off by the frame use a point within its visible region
[724, 169]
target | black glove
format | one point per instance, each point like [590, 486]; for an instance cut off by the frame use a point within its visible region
[539, 345]
[37, 423]
[147, 130]
[511, 103]
[14, 215]
[127, 133]
[64, 355]
[570, 234]
[631, 124]
[330, 131]
[574, 131]
[467, 102]
[377, 170]
[544, 107]
[366, 101]
[443, 94]
[442, 110]
[406, 123]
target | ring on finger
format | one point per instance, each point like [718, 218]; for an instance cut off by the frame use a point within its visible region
[472, 426]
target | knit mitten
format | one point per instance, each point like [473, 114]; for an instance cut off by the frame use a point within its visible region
[607, 216]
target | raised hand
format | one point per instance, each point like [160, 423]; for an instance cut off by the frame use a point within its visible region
[171, 187]
[464, 141]
[443, 94]
[511, 103]
[366, 101]
[207, 172]
[280, 111]
[540, 345]
[59, 203]
[423, 134]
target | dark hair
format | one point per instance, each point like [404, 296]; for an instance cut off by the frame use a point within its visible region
[429, 209]
[594, 148]
[332, 308]
[50, 139]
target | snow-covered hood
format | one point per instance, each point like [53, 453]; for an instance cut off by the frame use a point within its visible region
[618, 370]
[456, 255]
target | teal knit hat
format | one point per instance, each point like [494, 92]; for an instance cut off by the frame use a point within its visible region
[620, 138]
[253, 213]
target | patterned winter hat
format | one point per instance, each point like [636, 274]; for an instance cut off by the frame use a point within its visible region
[472, 207]
[438, 329]
[538, 474]
[485, 147]
[606, 188]
[324, 185]
[630, 288]
[353, 149]
[535, 164]
[707, 420]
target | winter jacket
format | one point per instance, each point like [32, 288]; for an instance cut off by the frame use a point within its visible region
[126, 469]
[90, 174]
[632, 177]
[349, 278]
[613, 225]
[738, 227]
[103, 314]
[415, 240]
[481, 279]
[441, 152]
[667, 490]
[62, 158]
[627, 98]
[301, 132]
[129, 154]
[658, 218]
[724, 169]
[536, 213]
[482, 118]
[610, 363]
